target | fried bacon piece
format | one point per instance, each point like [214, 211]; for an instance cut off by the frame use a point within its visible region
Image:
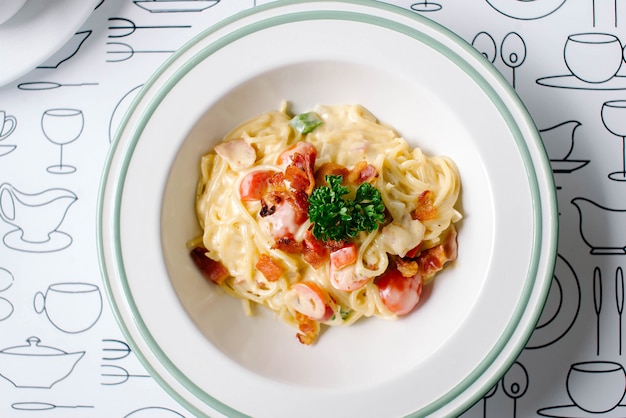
[430, 261]
[288, 244]
[407, 267]
[212, 270]
[309, 329]
[330, 169]
[314, 251]
[362, 172]
[269, 268]
[426, 209]
[300, 172]
[299, 162]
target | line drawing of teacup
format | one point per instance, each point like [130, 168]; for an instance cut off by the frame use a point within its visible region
[7, 124]
[72, 307]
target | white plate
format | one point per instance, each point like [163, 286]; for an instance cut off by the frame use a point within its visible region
[440, 94]
[36, 32]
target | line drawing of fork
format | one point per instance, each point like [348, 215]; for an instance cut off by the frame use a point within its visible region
[114, 349]
[126, 27]
[124, 52]
[116, 375]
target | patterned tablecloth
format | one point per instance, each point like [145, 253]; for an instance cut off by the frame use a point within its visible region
[58, 120]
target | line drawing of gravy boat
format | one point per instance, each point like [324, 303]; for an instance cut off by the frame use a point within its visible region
[36, 217]
[602, 240]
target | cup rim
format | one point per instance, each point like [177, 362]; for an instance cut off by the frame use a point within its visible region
[593, 38]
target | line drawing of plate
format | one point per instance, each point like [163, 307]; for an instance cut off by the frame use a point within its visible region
[526, 9]
[572, 411]
[561, 308]
[175, 6]
[58, 241]
[42, 28]
[120, 110]
[572, 82]
[6, 149]
[567, 166]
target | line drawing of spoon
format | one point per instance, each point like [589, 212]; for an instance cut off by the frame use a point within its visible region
[619, 300]
[488, 395]
[597, 303]
[125, 27]
[485, 44]
[49, 85]
[122, 51]
[43, 406]
[515, 383]
[513, 52]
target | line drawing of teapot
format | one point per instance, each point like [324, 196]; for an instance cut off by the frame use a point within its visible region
[36, 217]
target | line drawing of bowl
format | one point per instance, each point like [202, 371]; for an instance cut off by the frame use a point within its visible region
[602, 49]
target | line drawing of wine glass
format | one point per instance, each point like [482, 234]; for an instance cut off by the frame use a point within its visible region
[614, 119]
[426, 6]
[513, 52]
[62, 126]
[593, 8]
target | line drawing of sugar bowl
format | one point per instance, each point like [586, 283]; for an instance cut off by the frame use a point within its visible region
[72, 307]
[36, 217]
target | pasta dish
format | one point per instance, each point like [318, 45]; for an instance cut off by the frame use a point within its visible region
[324, 217]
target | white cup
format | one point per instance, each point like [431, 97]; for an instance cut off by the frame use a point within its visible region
[8, 9]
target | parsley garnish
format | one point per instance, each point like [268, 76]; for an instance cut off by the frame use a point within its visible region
[335, 218]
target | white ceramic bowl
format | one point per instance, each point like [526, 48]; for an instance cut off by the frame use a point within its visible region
[409, 72]
[8, 9]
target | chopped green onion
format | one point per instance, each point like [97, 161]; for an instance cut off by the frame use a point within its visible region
[306, 122]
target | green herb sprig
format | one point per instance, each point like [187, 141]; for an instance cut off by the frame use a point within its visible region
[336, 218]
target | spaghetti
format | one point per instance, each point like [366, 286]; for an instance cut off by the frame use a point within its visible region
[258, 187]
